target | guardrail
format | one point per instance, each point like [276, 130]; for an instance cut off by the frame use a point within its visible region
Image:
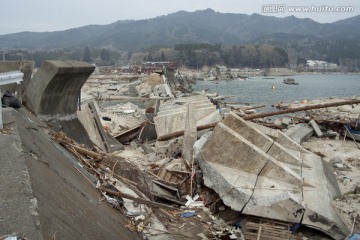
[9, 78]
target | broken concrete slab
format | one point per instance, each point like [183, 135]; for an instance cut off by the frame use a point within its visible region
[182, 108]
[286, 121]
[86, 117]
[258, 138]
[272, 133]
[54, 90]
[279, 186]
[170, 149]
[190, 134]
[181, 102]
[252, 134]
[171, 117]
[209, 119]
[89, 117]
[247, 163]
[319, 212]
[287, 142]
[53, 94]
[300, 133]
[316, 128]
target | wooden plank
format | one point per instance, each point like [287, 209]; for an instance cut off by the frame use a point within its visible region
[263, 229]
[99, 126]
[259, 233]
[137, 199]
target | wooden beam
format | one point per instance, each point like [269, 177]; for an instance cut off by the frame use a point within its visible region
[137, 199]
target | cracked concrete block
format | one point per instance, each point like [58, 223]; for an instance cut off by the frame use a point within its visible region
[172, 114]
[316, 128]
[169, 149]
[300, 133]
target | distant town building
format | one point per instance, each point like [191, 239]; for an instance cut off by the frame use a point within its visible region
[321, 65]
[149, 67]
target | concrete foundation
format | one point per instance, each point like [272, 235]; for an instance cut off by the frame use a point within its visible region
[256, 175]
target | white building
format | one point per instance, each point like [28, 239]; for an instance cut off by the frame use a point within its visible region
[317, 64]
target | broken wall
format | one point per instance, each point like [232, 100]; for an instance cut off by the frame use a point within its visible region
[53, 94]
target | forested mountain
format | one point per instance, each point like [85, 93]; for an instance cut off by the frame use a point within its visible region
[300, 38]
[205, 26]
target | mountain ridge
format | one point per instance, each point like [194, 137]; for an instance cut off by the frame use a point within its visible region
[207, 26]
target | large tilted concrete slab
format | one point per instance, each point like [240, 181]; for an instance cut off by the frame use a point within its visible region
[251, 171]
[172, 114]
[89, 117]
[53, 95]
[260, 139]
[256, 175]
[319, 213]
[43, 196]
[55, 88]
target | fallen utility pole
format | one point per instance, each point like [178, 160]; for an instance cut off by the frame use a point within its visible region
[131, 130]
[310, 107]
[241, 107]
[180, 133]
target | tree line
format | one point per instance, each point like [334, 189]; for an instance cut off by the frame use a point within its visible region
[191, 55]
[256, 56]
[98, 56]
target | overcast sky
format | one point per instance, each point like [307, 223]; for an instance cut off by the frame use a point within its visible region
[47, 15]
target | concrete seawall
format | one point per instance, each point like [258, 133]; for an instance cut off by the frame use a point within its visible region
[46, 197]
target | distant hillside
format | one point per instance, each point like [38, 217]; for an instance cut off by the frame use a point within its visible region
[206, 26]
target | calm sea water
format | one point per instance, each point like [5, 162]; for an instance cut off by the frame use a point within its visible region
[258, 90]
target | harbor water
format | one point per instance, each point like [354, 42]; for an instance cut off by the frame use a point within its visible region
[260, 90]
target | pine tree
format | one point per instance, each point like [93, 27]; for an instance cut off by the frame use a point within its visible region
[87, 55]
[163, 58]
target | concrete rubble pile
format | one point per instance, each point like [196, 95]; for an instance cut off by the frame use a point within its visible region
[178, 168]
[63, 141]
[112, 87]
[270, 178]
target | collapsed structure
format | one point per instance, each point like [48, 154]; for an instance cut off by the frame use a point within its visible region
[267, 177]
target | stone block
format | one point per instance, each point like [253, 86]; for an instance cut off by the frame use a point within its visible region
[316, 128]
[300, 133]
